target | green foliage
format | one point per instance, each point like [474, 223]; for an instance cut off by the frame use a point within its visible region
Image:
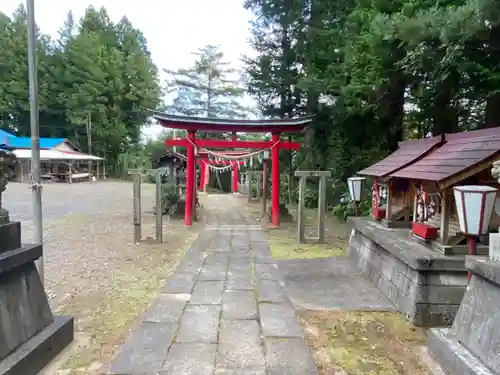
[97, 71]
[169, 197]
[346, 208]
[206, 89]
[374, 73]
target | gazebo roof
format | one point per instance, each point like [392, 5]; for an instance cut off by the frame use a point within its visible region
[192, 123]
[407, 153]
[461, 155]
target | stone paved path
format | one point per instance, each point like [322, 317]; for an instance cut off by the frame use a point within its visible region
[224, 311]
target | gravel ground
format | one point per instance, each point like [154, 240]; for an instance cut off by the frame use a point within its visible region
[93, 269]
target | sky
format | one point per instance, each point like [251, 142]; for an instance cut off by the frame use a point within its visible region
[173, 28]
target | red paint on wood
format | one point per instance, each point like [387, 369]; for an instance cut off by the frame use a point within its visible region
[190, 181]
[275, 181]
[378, 213]
[202, 175]
[214, 143]
[425, 231]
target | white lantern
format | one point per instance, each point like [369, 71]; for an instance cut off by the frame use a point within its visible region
[474, 208]
[355, 184]
[265, 154]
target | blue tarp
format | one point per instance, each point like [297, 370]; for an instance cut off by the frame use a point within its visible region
[9, 139]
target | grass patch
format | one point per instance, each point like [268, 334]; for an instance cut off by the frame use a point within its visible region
[359, 343]
[283, 240]
[284, 246]
[108, 316]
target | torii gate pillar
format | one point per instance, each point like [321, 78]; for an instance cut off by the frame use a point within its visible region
[190, 180]
[275, 180]
[235, 167]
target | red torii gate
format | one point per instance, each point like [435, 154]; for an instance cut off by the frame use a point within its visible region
[193, 124]
[203, 160]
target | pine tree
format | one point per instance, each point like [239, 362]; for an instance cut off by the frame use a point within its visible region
[207, 88]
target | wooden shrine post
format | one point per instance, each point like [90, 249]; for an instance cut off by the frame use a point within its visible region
[264, 189]
[190, 179]
[203, 166]
[249, 185]
[235, 167]
[301, 238]
[137, 204]
[275, 180]
[159, 207]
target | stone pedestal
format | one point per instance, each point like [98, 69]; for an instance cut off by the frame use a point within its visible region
[30, 336]
[494, 247]
[472, 344]
[423, 284]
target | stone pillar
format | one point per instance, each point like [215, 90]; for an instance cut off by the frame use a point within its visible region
[137, 218]
[471, 345]
[494, 247]
[30, 335]
[249, 186]
[320, 229]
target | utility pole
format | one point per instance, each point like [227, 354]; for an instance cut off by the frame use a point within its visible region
[89, 141]
[36, 175]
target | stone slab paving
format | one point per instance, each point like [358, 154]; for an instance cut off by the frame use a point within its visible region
[224, 311]
[332, 283]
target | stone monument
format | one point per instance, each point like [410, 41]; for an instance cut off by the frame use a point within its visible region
[30, 336]
[322, 175]
[472, 344]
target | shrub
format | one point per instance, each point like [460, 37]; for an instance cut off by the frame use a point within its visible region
[346, 208]
[169, 197]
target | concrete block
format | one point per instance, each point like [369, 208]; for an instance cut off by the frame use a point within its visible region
[24, 308]
[452, 356]
[239, 345]
[190, 359]
[10, 236]
[207, 293]
[199, 324]
[279, 320]
[427, 296]
[179, 283]
[289, 356]
[239, 304]
[145, 350]
[271, 291]
[33, 355]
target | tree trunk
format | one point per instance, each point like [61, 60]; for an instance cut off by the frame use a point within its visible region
[444, 112]
[492, 117]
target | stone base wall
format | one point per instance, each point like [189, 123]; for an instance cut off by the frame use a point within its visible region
[427, 296]
[30, 336]
[472, 344]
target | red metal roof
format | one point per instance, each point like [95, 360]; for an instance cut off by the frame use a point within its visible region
[460, 152]
[228, 125]
[408, 152]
